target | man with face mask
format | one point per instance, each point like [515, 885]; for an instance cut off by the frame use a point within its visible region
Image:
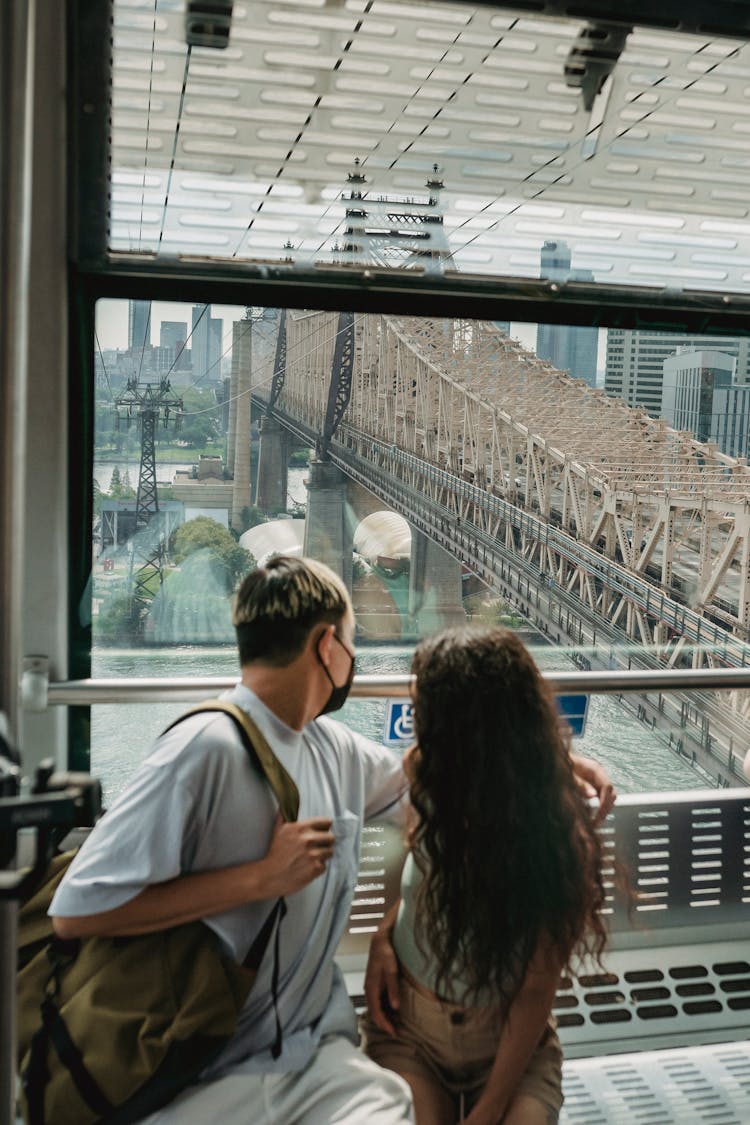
[197, 836]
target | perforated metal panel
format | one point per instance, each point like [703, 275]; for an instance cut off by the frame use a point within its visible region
[380, 865]
[657, 997]
[688, 858]
[244, 153]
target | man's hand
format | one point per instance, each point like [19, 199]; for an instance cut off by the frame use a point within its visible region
[298, 853]
[594, 781]
[381, 977]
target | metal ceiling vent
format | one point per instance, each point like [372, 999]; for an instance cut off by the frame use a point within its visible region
[207, 23]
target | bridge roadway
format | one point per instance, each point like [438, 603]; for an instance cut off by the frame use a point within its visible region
[561, 586]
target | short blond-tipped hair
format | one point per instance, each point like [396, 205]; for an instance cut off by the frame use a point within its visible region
[278, 604]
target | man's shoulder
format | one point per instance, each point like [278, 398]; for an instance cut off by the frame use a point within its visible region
[332, 732]
[195, 737]
[333, 736]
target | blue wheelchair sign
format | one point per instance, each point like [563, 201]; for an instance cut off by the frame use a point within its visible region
[574, 709]
[399, 718]
[399, 723]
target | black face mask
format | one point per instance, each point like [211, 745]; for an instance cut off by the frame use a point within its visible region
[338, 696]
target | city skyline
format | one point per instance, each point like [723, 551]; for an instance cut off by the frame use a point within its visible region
[112, 321]
[112, 325]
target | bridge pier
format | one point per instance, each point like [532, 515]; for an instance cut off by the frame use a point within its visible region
[328, 530]
[273, 458]
[435, 600]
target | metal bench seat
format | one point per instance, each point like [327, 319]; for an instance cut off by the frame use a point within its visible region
[679, 1086]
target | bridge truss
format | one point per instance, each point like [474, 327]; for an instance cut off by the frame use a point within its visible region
[645, 530]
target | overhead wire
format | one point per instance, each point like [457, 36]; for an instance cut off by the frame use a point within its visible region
[301, 132]
[528, 178]
[104, 366]
[148, 120]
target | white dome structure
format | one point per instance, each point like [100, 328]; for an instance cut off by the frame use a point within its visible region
[277, 537]
[384, 539]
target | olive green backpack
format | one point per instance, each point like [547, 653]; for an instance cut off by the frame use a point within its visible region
[111, 1029]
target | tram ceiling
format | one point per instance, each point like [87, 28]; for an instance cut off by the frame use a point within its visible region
[436, 149]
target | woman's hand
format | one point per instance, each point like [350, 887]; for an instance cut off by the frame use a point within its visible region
[381, 976]
[594, 781]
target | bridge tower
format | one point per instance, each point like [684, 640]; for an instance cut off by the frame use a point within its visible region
[238, 432]
[406, 231]
[273, 449]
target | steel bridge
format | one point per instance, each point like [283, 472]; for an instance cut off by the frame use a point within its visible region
[600, 523]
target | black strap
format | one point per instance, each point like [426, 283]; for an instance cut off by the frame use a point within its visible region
[255, 956]
[276, 1049]
[71, 1057]
[36, 1076]
[258, 948]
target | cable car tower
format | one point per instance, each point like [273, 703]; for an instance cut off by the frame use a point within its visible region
[149, 404]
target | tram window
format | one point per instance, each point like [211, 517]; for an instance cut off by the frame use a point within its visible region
[539, 492]
[586, 485]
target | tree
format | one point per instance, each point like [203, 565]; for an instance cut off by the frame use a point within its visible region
[201, 418]
[115, 484]
[115, 623]
[127, 492]
[251, 517]
[206, 535]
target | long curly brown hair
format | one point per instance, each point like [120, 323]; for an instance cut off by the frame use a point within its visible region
[504, 838]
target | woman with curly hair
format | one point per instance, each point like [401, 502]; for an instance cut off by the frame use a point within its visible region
[501, 886]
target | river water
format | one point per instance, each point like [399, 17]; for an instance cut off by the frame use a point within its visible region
[637, 758]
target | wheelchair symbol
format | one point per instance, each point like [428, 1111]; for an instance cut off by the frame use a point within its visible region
[404, 724]
[400, 724]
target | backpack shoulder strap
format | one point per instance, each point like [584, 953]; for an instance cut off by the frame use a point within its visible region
[283, 786]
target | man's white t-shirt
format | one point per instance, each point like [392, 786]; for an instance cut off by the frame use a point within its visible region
[197, 803]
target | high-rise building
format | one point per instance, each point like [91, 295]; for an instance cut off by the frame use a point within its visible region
[567, 347]
[173, 335]
[205, 341]
[730, 425]
[691, 380]
[635, 362]
[139, 325]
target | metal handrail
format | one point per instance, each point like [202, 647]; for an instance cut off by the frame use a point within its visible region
[71, 693]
